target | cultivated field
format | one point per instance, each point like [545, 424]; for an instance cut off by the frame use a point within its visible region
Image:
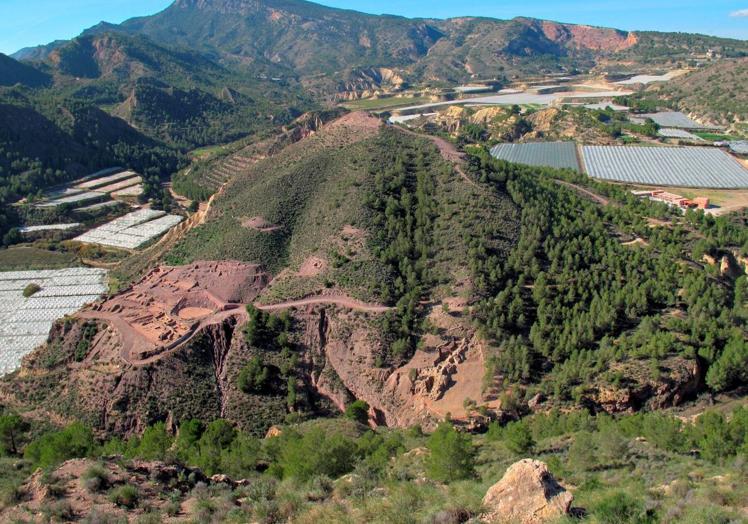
[560, 155]
[665, 166]
[48, 227]
[670, 119]
[79, 198]
[132, 230]
[672, 132]
[100, 186]
[25, 321]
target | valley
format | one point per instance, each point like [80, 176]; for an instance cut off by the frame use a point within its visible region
[356, 268]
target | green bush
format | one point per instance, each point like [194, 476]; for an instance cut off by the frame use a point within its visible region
[358, 410]
[75, 441]
[12, 430]
[622, 508]
[518, 438]
[253, 378]
[316, 452]
[126, 496]
[582, 454]
[31, 289]
[154, 443]
[96, 479]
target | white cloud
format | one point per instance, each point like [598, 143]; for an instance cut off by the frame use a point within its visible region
[739, 13]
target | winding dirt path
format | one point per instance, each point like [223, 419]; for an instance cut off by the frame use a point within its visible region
[448, 151]
[594, 196]
[134, 343]
[338, 300]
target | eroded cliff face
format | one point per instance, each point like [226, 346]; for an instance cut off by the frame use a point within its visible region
[337, 361]
[84, 373]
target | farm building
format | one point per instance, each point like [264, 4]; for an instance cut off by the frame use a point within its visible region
[559, 155]
[665, 166]
[674, 200]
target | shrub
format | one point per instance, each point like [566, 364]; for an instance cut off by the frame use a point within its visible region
[611, 444]
[317, 453]
[253, 378]
[126, 496]
[621, 508]
[518, 438]
[154, 442]
[95, 479]
[582, 452]
[452, 455]
[31, 289]
[358, 411]
[12, 427]
[75, 441]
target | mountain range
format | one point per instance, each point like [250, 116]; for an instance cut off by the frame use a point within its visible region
[301, 38]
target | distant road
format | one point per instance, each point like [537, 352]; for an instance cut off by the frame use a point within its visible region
[523, 98]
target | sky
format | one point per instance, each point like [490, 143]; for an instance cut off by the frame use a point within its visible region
[26, 23]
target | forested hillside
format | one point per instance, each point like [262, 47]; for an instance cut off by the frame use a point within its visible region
[46, 139]
[107, 100]
[591, 298]
[13, 72]
[577, 305]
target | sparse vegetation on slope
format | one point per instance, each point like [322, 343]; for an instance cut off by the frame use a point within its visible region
[631, 469]
[715, 94]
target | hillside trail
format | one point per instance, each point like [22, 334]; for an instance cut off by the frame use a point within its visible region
[133, 342]
[448, 151]
[337, 300]
[594, 196]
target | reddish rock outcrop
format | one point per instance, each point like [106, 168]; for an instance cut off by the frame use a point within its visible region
[678, 379]
[527, 494]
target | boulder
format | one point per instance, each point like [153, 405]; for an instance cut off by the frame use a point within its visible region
[274, 431]
[534, 403]
[728, 267]
[527, 494]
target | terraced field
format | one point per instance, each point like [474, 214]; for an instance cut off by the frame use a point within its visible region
[230, 167]
[204, 178]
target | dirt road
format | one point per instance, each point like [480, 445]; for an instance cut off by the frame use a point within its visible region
[340, 300]
[594, 196]
[134, 343]
[448, 151]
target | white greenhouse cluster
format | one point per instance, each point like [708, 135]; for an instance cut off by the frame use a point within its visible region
[25, 322]
[665, 166]
[673, 132]
[49, 227]
[96, 190]
[132, 230]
